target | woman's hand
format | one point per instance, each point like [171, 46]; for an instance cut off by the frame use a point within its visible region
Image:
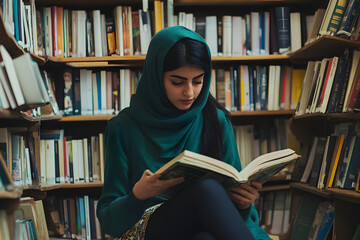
[244, 195]
[150, 185]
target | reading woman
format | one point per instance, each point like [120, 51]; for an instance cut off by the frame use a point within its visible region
[172, 111]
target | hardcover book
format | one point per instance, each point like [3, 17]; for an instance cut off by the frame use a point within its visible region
[194, 166]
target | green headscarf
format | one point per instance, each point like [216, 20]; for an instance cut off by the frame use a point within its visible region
[170, 129]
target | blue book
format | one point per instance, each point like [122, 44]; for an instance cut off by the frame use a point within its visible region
[16, 8]
[348, 21]
[82, 215]
[262, 32]
[76, 92]
[98, 83]
[263, 88]
[326, 222]
[282, 17]
[351, 174]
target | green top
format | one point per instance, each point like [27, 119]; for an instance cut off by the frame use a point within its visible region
[150, 133]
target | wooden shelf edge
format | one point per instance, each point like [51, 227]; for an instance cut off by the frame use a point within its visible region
[306, 188]
[262, 113]
[354, 116]
[44, 188]
[76, 118]
[345, 194]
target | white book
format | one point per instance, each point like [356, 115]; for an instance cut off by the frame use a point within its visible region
[278, 213]
[104, 36]
[50, 161]
[4, 81]
[319, 83]
[145, 31]
[3, 96]
[28, 80]
[255, 33]
[237, 36]
[97, 223]
[12, 76]
[43, 161]
[119, 34]
[211, 36]
[28, 179]
[315, 26]
[271, 88]
[80, 161]
[329, 85]
[97, 33]
[189, 21]
[327, 17]
[86, 159]
[103, 91]
[75, 155]
[295, 31]
[81, 33]
[182, 19]
[227, 35]
[87, 217]
[170, 12]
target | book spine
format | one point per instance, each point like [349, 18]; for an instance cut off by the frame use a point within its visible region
[337, 17]
[349, 19]
[282, 15]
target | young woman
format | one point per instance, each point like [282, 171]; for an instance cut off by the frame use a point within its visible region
[170, 112]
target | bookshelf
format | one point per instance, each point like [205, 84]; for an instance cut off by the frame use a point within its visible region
[79, 124]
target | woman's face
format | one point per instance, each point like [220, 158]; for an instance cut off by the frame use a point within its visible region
[183, 85]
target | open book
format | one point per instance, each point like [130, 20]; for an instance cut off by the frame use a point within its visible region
[195, 166]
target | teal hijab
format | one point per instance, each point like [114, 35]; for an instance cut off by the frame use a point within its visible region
[170, 129]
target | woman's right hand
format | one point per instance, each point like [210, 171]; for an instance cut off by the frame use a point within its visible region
[150, 185]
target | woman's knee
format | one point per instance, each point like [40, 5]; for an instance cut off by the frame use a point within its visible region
[209, 189]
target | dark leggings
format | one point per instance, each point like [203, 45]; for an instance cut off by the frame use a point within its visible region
[201, 212]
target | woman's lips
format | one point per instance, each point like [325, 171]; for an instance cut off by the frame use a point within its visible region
[187, 102]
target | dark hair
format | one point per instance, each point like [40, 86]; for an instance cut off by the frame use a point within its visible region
[194, 53]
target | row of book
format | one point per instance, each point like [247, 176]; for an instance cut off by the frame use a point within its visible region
[76, 217]
[256, 87]
[78, 33]
[331, 85]
[340, 18]
[62, 159]
[67, 160]
[274, 211]
[93, 92]
[314, 219]
[331, 161]
[254, 140]
[21, 82]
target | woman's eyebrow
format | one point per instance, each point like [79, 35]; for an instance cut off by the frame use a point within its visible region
[184, 78]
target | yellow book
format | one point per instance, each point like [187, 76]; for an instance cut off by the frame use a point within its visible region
[336, 161]
[242, 88]
[296, 86]
[158, 15]
[60, 31]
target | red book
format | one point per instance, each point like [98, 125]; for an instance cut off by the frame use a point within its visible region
[323, 88]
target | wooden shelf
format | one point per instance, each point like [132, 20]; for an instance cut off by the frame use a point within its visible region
[312, 190]
[275, 188]
[76, 118]
[327, 46]
[262, 113]
[45, 188]
[345, 194]
[337, 117]
[9, 114]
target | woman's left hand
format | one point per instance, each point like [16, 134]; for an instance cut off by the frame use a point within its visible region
[244, 195]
